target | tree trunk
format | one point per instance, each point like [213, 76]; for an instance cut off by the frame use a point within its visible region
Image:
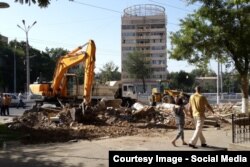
[244, 90]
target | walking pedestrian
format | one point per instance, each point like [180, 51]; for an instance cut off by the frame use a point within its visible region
[179, 112]
[20, 102]
[197, 107]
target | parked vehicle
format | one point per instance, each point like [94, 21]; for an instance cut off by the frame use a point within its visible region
[33, 98]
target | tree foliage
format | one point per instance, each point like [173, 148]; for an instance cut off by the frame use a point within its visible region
[109, 72]
[55, 53]
[137, 66]
[219, 29]
[41, 65]
[199, 72]
[182, 81]
[41, 3]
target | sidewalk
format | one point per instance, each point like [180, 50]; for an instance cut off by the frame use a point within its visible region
[6, 119]
[95, 153]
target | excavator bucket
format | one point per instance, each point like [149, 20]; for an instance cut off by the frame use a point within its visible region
[173, 93]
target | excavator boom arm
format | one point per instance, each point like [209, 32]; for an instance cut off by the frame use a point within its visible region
[71, 59]
[89, 71]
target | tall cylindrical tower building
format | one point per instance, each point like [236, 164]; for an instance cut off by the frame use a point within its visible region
[144, 29]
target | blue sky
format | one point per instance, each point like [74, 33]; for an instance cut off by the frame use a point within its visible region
[69, 24]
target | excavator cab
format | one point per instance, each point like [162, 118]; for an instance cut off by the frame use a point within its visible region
[72, 86]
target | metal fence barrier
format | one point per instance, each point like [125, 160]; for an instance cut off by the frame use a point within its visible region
[241, 128]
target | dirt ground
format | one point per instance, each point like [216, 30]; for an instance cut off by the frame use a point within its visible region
[60, 125]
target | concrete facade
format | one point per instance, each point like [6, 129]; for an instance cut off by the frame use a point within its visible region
[143, 29]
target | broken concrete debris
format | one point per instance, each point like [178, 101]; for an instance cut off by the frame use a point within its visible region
[106, 119]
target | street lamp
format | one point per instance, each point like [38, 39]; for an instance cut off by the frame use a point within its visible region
[26, 30]
[15, 68]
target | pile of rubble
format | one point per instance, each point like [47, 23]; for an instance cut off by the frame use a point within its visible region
[46, 124]
[226, 108]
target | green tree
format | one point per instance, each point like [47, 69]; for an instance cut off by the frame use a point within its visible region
[55, 53]
[109, 72]
[173, 83]
[203, 73]
[181, 81]
[41, 65]
[138, 67]
[7, 52]
[230, 81]
[185, 80]
[41, 3]
[6, 59]
[219, 29]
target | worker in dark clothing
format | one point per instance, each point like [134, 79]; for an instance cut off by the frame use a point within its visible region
[7, 104]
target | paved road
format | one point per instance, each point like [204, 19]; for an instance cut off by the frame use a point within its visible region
[14, 112]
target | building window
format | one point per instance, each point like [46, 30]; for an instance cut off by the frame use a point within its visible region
[128, 27]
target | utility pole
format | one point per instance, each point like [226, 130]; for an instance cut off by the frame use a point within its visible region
[26, 30]
[15, 68]
[221, 81]
[218, 83]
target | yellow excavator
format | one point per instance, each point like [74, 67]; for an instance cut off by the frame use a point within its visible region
[59, 87]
